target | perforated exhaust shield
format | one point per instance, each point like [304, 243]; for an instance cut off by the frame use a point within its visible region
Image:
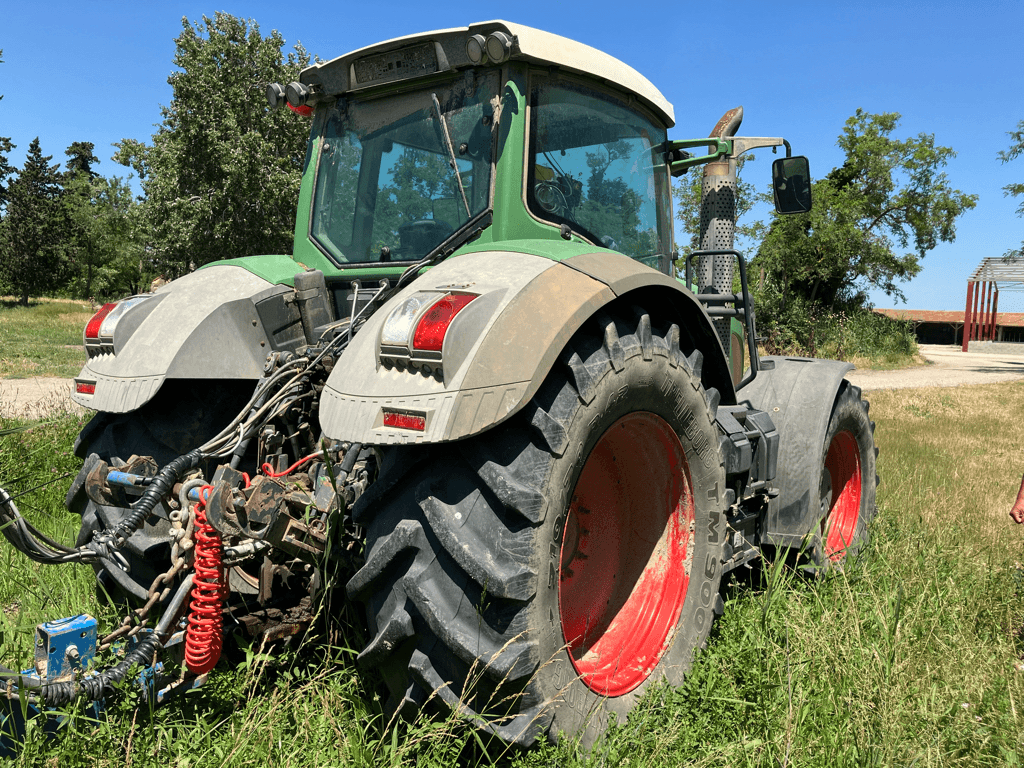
[718, 219]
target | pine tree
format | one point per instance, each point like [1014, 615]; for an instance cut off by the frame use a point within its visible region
[32, 234]
[5, 167]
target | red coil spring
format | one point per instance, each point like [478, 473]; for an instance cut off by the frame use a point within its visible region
[204, 637]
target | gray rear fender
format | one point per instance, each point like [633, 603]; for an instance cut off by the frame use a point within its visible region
[204, 325]
[798, 395]
[500, 348]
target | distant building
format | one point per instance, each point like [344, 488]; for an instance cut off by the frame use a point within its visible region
[935, 327]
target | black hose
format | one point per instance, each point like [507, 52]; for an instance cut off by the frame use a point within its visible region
[351, 456]
[104, 543]
[243, 445]
[124, 581]
[23, 680]
[101, 684]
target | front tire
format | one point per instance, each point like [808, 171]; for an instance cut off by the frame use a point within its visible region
[540, 577]
[848, 481]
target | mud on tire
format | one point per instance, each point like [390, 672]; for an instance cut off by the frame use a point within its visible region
[495, 573]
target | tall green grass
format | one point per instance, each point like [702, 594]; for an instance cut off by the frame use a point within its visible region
[910, 656]
[42, 339]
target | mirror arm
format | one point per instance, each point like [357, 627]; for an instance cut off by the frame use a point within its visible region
[719, 149]
[743, 144]
[679, 161]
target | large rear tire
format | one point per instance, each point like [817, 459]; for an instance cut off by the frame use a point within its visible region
[848, 481]
[542, 576]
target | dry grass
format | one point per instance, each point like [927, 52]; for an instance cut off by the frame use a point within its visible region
[42, 339]
[963, 453]
[882, 363]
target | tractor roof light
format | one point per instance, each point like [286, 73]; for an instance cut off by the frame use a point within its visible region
[475, 47]
[297, 94]
[301, 98]
[275, 95]
[499, 47]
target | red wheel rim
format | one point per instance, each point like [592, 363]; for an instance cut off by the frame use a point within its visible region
[624, 560]
[839, 525]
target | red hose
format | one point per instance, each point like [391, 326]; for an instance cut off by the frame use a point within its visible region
[1017, 513]
[269, 470]
[204, 637]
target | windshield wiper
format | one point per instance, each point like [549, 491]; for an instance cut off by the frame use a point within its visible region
[451, 153]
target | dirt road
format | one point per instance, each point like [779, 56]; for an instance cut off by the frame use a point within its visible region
[35, 398]
[949, 367]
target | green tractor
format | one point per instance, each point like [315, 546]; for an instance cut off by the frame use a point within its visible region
[478, 388]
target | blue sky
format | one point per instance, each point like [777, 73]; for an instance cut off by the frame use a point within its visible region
[97, 71]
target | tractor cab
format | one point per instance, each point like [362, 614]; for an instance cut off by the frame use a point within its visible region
[491, 134]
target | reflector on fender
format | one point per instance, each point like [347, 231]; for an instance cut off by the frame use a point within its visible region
[85, 387]
[434, 324]
[404, 420]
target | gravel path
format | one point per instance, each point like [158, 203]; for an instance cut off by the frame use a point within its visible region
[948, 367]
[35, 398]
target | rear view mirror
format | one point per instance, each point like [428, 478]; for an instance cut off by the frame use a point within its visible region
[791, 178]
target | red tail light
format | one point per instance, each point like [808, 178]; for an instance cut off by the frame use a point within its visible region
[92, 330]
[434, 324]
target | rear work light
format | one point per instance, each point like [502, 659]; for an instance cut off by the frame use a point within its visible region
[99, 332]
[413, 334]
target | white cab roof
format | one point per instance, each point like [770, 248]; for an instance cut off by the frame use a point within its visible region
[533, 45]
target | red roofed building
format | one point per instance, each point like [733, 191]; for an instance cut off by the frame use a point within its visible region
[937, 327]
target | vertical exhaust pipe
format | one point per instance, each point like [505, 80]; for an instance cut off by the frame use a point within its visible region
[718, 219]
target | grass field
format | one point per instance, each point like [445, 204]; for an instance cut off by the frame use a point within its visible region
[910, 657]
[42, 339]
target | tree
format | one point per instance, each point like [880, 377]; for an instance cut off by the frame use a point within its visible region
[104, 244]
[32, 235]
[221, 176]
[873, 220]
[6, 169]
[81, 159]
[1016, 150]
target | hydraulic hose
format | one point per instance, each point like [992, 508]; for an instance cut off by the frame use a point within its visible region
[104, 544]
